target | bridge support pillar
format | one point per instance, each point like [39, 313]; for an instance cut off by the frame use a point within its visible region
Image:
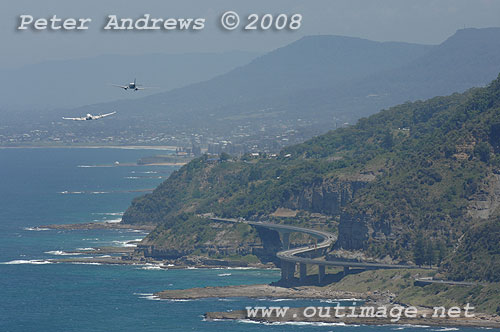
[321, 273]
[303, 271]
[284, 270]
[286, 240]
[291, 270]
[287, 270]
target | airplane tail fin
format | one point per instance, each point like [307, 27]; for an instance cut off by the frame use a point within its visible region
[134, 81]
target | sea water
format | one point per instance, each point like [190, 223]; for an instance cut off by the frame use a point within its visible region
[65, 186]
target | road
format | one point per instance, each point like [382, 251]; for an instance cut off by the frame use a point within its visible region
[290, 255]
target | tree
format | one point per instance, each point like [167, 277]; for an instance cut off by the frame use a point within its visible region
[224, 156]
[482, 150]
[387, 140]
[419, 250]
[495, 135]
[449, 149]
[441, 247]
[429, 253]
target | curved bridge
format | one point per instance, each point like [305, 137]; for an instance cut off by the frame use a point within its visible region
[289, 258]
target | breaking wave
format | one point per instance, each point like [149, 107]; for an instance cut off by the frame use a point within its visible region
[31, 261]
[36, 229]
[61, 253]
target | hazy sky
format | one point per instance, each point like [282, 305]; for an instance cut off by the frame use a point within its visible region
[418, 21]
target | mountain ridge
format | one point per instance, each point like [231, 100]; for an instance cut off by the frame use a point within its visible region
[46, 84]
[307, 87]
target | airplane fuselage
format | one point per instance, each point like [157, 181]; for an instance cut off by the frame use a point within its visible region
[131, 86]
[89, 116]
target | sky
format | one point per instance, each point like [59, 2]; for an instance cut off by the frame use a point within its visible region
[415, 21]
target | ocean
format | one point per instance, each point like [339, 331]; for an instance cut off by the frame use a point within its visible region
[69, 185]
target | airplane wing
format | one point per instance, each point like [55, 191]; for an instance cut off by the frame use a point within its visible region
[103, 115]
[141, 87]
[120, 86]
[74, 119]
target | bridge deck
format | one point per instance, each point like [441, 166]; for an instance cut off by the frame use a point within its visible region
[328, 238]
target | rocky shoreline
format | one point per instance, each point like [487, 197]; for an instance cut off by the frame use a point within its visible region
[266, 291]
[126, 256]
[125, 259]
[99, 225]
[375, 299]
[296, 315]
[166, 265]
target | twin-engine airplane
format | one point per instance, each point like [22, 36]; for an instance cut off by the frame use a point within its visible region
[90, 117]
[133, 86]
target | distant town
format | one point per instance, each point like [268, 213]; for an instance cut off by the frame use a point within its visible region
[234, 140]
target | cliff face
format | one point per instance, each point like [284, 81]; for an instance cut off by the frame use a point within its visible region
[195, 235]
[161, 253]
[358, 229]
[329, 196]
[355, 230]
[486, 202]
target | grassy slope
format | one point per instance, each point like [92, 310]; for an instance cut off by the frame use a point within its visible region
[401, 282]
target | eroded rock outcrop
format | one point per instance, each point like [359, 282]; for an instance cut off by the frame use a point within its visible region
[486, 202]
[356, 230]
[329, 196]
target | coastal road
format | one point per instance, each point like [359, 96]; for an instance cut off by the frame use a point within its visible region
[291, 255]
[428, 281]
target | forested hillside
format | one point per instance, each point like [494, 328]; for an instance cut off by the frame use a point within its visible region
[418, 175]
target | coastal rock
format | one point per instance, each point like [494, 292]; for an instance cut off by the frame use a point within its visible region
[486, 202]
[324, 315]
[353, 231]
[330, 195]
[259, 291]
[151, 251]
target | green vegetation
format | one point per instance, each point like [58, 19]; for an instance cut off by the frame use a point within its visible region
[478, 253]
[241, 258]
[407, 177]
[401, 282]
[187, 233]
[393, 281]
